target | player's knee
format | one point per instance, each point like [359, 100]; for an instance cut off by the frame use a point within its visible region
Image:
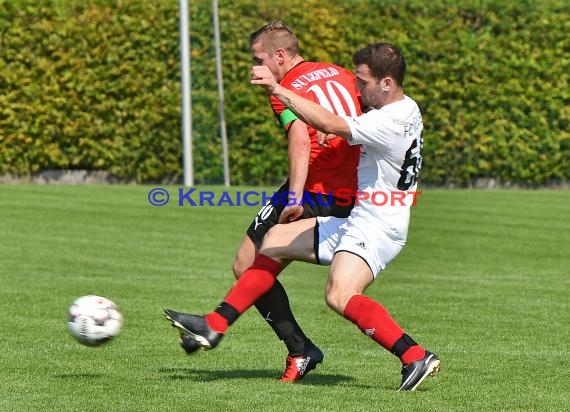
[337, 295]
[334, 299]
[238, 267]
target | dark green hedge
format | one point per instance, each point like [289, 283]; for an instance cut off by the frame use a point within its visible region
[96, 84]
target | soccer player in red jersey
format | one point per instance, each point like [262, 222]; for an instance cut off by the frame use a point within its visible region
[316, 173]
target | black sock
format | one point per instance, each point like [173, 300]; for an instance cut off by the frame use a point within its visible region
[402, 345]
[275, 309]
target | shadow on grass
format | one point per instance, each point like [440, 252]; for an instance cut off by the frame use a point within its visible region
[214, 375]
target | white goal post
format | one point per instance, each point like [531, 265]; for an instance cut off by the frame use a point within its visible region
[185, 65]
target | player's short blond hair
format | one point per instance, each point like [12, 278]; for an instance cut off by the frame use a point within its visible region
[273, 36]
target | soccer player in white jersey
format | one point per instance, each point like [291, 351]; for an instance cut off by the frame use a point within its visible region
[357, 247]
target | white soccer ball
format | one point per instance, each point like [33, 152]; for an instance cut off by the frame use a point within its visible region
[94, 320]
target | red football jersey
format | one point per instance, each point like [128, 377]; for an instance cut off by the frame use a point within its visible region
[334, 166]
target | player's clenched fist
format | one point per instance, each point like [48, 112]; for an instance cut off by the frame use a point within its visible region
[262, 76]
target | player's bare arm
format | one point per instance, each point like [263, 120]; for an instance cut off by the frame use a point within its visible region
[299, 151]
[310, 112]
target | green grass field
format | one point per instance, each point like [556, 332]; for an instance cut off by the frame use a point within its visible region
[483, 282]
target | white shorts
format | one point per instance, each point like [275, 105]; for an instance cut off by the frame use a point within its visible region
[355, 235]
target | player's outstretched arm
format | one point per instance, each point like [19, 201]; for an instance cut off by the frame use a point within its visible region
[310, 112]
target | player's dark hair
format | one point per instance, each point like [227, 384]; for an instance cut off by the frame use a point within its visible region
[274, 35]
[383, 59]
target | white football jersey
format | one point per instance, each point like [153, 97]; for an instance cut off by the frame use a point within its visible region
[389, 165]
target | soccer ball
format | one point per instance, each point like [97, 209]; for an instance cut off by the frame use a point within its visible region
[94, 320]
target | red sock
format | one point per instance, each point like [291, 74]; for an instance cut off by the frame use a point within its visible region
[413, 354]
[375, 321]
[217, 322]
[251, 285]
